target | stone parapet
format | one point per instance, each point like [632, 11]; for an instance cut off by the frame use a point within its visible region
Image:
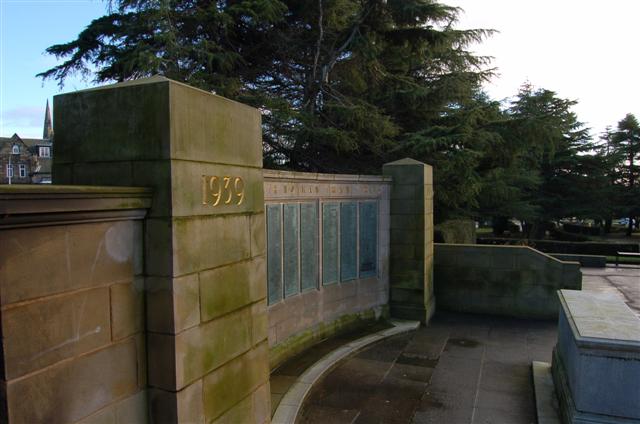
[72, 303]
[516, 281]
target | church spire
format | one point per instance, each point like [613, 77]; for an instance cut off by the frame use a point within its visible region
[48, 127]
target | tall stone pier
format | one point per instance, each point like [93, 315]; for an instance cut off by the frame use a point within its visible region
[204, 266]
[411, 244]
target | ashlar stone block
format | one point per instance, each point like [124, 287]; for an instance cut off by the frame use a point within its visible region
[172, 303]
[69, 257]
[60, 327]
[127, 308]
[74, 389]
[231, 287]
[235, 381]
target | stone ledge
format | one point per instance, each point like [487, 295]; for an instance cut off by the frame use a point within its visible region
[276, 175]
[37, 205]
[292, 401]
[601, 324]
[545, 394]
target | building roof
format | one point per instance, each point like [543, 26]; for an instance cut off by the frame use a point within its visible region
[29, 142]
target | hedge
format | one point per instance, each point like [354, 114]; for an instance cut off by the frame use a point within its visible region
[567, 247]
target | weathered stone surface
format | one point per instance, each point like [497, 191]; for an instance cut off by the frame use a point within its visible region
[182, 138]
[184, 406]
[42, 333]
[258, 232]
[146, 120]
[194, 240]
[127, 308]
[236, 380]
[161, 360]
[260, 324]
[74, 389]
[252, 409]
[158, 245]
[167, 119]
[188, 356]
[130, 410]
[411, 227]
[69, 257]
[141, 350]
[210, 128]
[506, 280]
[172, 303]
[231, 287]
[241, 412]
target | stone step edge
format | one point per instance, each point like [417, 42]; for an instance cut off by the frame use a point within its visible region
[291, 403]
[545, 394]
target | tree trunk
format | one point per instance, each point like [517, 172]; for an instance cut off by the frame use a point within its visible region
[607, 225]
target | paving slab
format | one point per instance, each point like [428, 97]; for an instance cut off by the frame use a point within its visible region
[482, 377]
[462, 368]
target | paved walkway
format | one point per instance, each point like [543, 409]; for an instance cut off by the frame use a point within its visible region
[461, 369]
[618, 282]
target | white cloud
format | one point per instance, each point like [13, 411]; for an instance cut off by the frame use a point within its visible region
[26, 121]
[580, 49]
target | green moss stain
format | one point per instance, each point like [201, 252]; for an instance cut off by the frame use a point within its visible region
[305, 339]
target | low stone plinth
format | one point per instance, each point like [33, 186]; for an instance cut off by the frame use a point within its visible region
[596, 362]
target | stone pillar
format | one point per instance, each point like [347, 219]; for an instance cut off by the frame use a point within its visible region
[411, 247]
[204, 237]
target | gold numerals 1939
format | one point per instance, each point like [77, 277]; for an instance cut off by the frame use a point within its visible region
[222, 190]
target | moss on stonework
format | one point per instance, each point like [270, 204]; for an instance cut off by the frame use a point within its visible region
[307, 338]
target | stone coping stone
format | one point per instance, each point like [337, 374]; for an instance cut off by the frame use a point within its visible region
[547, 409]
[489, 247]
[587, 261]
[36, 205]
[598, 322]
[273, 174]
[291, 403]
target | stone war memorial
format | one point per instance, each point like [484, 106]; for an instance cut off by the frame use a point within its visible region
[166, 277]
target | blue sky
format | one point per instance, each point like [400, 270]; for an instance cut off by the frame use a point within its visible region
[27, 28]
[584, 50]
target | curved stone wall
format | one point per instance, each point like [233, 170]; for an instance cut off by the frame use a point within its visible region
[327, 255]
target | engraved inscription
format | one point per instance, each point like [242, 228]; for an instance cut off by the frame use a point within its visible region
[227, 190]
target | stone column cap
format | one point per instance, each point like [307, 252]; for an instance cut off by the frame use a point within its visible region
[406, 161]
